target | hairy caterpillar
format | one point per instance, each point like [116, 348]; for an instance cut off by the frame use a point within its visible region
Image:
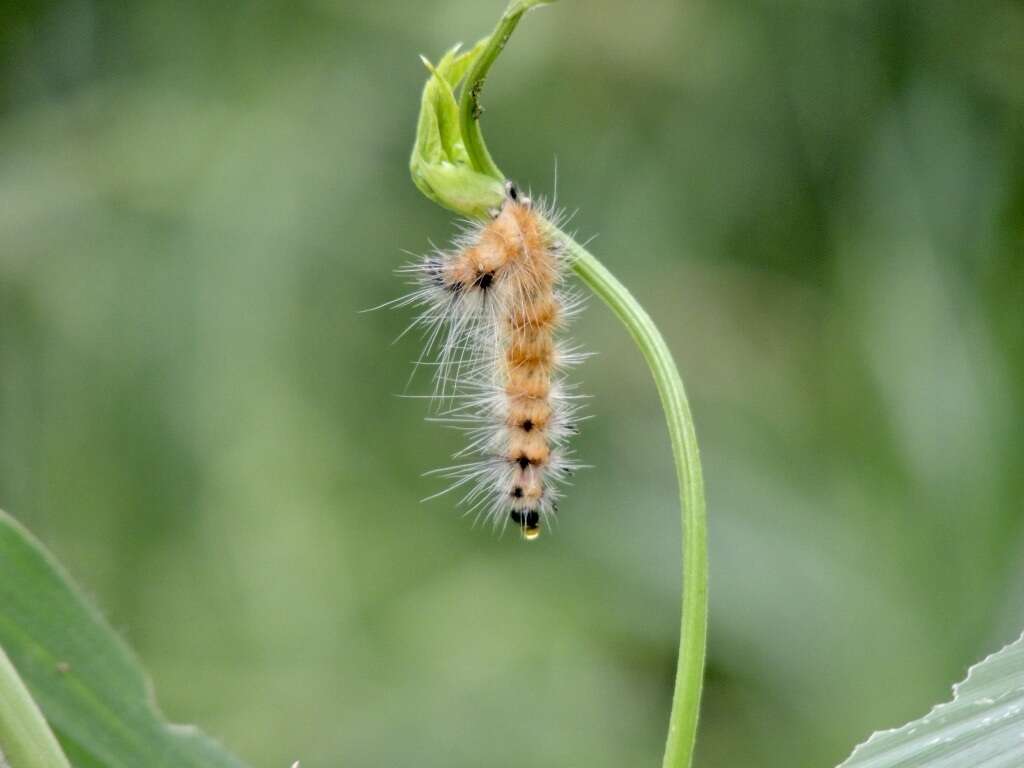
[491, 308]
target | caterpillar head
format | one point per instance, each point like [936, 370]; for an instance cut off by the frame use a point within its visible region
[514, 195]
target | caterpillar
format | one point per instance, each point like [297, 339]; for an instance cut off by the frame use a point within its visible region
[491, 308]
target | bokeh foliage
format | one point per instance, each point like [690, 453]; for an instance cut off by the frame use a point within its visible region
[821, 203]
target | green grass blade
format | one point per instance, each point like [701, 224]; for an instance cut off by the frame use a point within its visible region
[982, 727]
[25, 739]
[87, 682]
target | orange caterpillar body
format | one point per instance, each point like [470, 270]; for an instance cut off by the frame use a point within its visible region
[492, 308]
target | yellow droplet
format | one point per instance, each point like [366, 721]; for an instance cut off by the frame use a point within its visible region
[531, 533]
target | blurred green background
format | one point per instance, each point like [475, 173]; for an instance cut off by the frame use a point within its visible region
[821, 204]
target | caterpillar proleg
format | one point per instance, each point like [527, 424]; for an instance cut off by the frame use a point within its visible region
[491, 307]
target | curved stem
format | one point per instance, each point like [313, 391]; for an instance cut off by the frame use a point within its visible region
[470, 109]
[682, 730]
[26, 741]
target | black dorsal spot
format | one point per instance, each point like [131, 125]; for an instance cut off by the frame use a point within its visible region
[513, 192]
[483, 282]
[516, 516]
[517, 492]
[532, 519]
[527, 425]
[523, 462]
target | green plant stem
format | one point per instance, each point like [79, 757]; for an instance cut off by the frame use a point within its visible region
[26, 741]
[470, 109]
[682, 729]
